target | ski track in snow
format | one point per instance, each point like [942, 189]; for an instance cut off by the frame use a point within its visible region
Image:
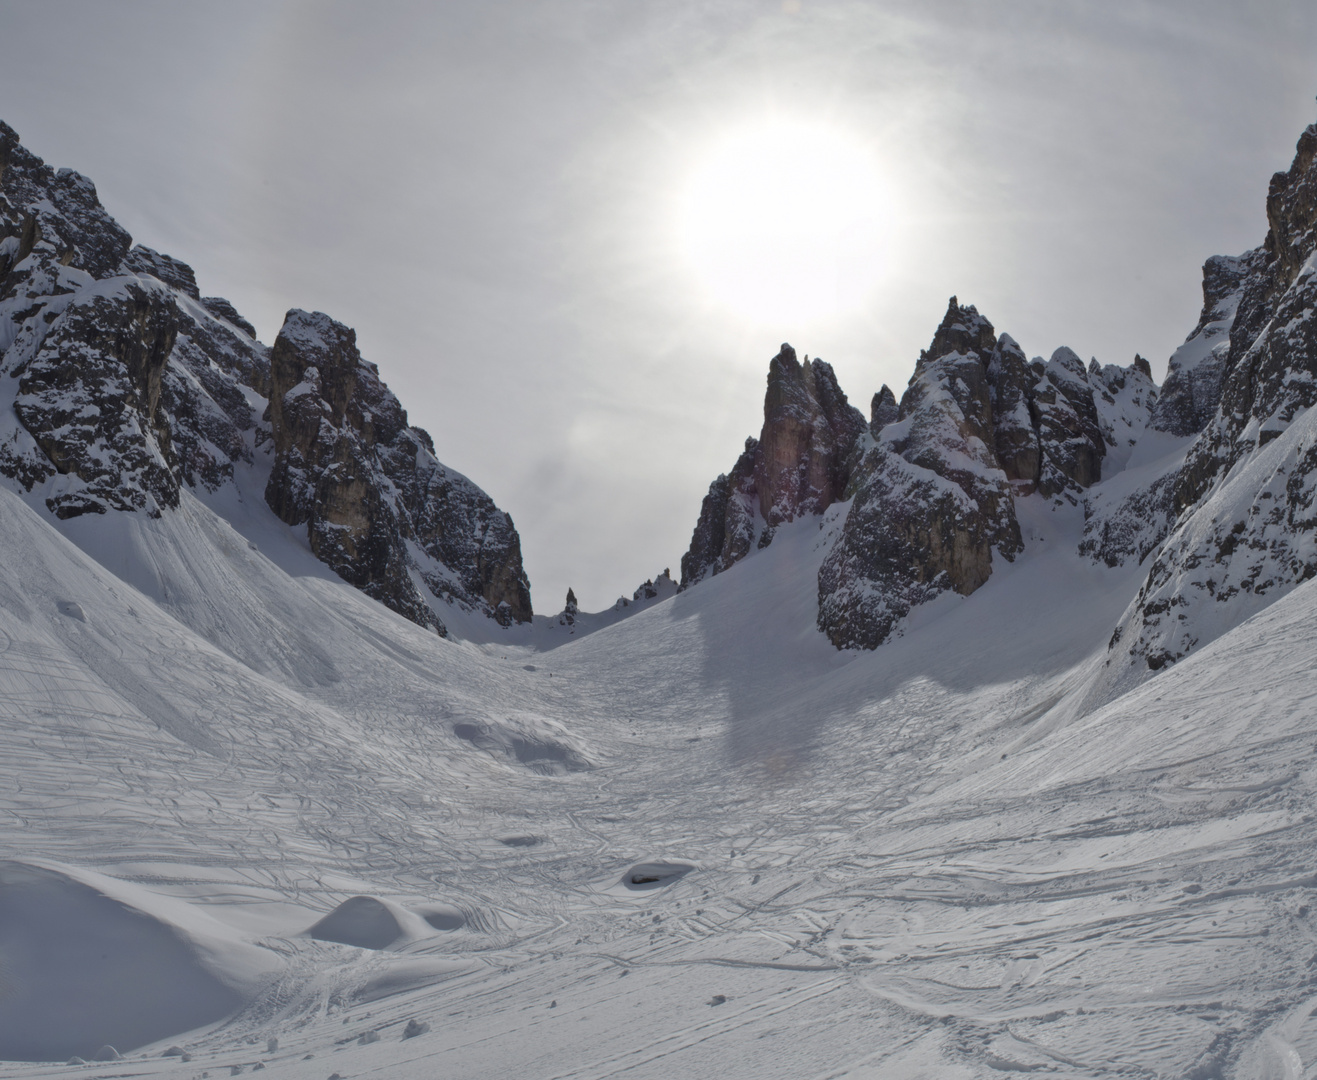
[915, 862]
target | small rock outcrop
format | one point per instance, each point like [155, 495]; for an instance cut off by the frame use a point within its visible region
[656, 588]
[883, 410]
[800, 464]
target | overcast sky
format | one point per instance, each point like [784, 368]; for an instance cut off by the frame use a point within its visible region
[487, 192]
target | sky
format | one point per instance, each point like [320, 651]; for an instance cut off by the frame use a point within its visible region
[512, 202]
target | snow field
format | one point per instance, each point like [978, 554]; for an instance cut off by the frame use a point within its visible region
[923, 861]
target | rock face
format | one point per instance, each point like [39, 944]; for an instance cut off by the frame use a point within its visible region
[930, 499]
[348, 466]
[729, 521]
[1244, 504]
[1069, 435]
[933, 493]
[809, 428]
[128, 387]
[1192, 390]
[800, 464]
[932, 480]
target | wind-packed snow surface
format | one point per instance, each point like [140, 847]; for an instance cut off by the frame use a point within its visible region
[698, 842]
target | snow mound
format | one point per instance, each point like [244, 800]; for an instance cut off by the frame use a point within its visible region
[87, 962]
[369, 923]
[441, 916]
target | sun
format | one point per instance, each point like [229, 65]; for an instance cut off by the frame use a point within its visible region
[785, 221]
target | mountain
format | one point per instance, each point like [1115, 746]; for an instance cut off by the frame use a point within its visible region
[127, 387]
[975, 740]
[932, 484]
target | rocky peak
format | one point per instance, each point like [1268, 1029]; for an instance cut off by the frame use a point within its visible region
[883, 410]
[800, 464]
[173, 272]
[930, 501]
[365, 483]
[1234, 527]
[808, 431]
[127, 386]
[962, 330]
[55, 210]
[1196, 371]
[1015, 434]
[1069, 433]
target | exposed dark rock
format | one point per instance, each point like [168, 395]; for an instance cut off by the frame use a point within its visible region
[173, 272]
[1246, 496]
[930, 501]
[800, 464]
[571, 609]
[222, 309]
[57, 211]
[1124, 399]
[1069, 435]
[809, 429]
[129, 386]
[1192, 391]
[1135, 527]
[90, 397]
[1014, 436]
[655, 588]
[883, 410]
[348, 465]
[728, 523]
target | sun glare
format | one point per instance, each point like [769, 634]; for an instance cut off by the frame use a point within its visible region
[786, 222]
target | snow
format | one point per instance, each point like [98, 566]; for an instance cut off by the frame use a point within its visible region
[941, 858]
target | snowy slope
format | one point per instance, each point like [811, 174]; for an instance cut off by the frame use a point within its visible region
[916, 861]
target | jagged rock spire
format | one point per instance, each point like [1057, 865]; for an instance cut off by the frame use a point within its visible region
[799, 465]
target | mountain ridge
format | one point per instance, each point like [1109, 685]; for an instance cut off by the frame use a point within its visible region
[130, 384]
